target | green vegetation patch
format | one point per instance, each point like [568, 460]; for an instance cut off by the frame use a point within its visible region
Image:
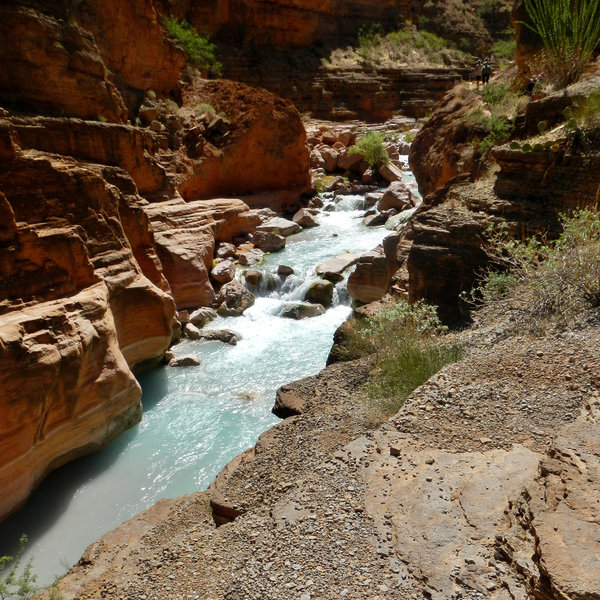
[570, 32]
[373, 149]
[546, 279]
[199, 50]
[407, 342]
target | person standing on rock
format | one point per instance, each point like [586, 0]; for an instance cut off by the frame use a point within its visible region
[478, 71]
[486, 71]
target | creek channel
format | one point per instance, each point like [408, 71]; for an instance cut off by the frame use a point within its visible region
[196, 419]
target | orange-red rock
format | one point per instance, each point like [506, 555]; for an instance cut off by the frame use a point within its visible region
[51, 66]
[263, 130]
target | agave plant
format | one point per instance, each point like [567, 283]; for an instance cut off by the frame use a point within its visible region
[570, 32]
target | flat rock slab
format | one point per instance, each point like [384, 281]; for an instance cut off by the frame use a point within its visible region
[333, 268]
[281, 226]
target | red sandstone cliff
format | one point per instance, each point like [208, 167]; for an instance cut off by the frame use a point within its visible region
[97, 245]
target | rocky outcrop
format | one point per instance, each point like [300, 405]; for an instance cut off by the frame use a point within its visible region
[185, 234]
[442, 149]
[49, 51]
[76, 313]
[476, 488]
[442, 246]
[263, 129]
[66, 388]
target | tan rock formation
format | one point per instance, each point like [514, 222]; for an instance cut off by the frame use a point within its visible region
[185, 234]
[76, 313]
[65, 391]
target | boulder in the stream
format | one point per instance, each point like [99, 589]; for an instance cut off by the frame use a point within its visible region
[202, 316]
[188, 360]
[225, 250]
[233, 299]
[253, 277]
[320, 292]
[305, 218]
[221, 335]
[397, 196]
[224, 271]
[268, 241]
[281, 226]
[334, 268]
[302, 310]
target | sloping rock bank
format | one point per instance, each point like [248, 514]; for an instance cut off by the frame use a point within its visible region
[485, 484]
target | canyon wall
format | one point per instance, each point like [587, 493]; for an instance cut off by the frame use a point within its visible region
[442, 249]
[114, 191]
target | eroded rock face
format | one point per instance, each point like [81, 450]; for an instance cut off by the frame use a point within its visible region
[441, 149]
[264, 129]
[66, 388]
[75, 309]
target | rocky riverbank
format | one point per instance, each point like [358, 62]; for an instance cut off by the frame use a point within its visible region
[485, 484]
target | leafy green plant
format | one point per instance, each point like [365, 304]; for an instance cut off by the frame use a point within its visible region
[406, 342]
[505, 50]
[570, 32]
[496, 94]
[558, 279]
[372, 147]
[16, 583]
[198, 49]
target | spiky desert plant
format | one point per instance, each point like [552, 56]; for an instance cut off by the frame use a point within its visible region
[570, 32]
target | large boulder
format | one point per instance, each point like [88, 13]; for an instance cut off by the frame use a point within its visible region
[268, 241]
[280, 226]
[396, 196]
[301, 310]
[233, 299]
[305, 218]
[202, 316]
[224, 271]
[320, 292]
[334, 268]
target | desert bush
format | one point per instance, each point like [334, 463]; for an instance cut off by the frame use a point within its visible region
[570, 32]
[372, 147]
[505, 50]
[406, 341]
[198, 49]
[547, 279]
[16, 583]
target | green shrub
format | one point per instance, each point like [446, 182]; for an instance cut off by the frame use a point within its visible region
[16, 583]
[505, 50]
[372, 147]
[406, 341]
[570, 32]
[559, 279]
[496, 94]
[198, 49]
[488, 10]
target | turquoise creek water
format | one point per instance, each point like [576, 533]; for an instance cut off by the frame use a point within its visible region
[196, 419]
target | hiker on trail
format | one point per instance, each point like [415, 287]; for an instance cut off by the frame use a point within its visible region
[478, 71]
[486, 71]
